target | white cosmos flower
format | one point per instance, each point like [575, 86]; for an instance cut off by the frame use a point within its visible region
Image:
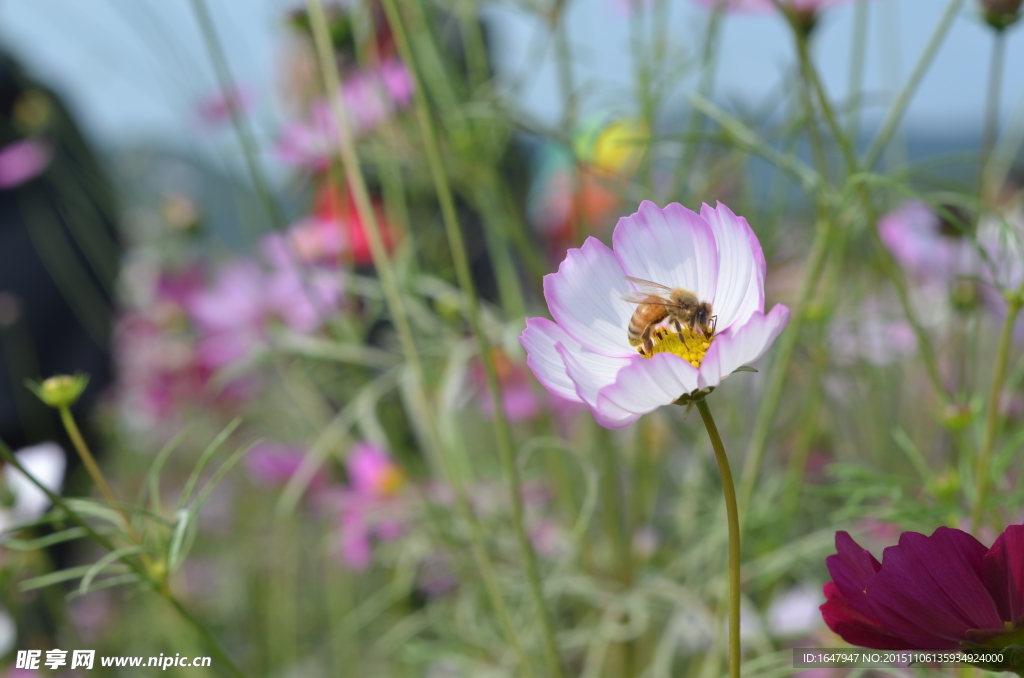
[585, 355]
[45, 462]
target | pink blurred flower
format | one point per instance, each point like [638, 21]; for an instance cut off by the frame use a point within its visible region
[23, 160]
[371, 507]
[398, 82]
[520, 402]
[915, 235]
[223, 105]
[372, 473]
[585, 355]
[274, 464]
[371, 97]
[232, 315]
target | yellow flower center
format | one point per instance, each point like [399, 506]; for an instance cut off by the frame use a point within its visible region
[390, 481]
[689, 345]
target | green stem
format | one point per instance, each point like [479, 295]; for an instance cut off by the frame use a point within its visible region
[995, 82]
[772, 396]
[733, 517]
[888, 264]
[461, 262]
[899, 107]
[87, 459]
[238, 120]
[858, 52]
[992, 416]
[398, 311]
[354, 177]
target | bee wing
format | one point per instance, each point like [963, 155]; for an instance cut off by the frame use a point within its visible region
[648, 292]
[647, 287]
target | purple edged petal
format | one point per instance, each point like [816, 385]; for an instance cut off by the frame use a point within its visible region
[674, 247]
[744, 345]
[930, 590]
[539, 339]
[1003, 572]
[645, 385]
[585, 298]
[741, 267]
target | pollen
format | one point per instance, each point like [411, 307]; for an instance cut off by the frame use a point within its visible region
[689, 345]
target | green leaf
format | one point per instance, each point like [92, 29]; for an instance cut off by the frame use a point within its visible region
[57, 577]
[744, 368]
[48, 540]
[180, 528]
[104, 562]
[204, 458]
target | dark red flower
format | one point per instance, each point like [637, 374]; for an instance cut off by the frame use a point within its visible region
[936, 592]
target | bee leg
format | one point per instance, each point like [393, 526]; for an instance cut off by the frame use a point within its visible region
[648, 343]
[679, 328]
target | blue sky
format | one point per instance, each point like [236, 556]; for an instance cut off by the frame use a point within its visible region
[134, 69]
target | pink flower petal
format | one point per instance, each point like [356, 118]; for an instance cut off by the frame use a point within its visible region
[585, 297]
[539, 339]
[645, 385]
[741, 269]
[742, 346]
[674, 247]
[591, 372]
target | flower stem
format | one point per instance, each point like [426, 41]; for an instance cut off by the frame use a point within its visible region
[995, 83]
[733, 516]
[886, 260]
[695, 123]
[238, 119]
[892, 119]
[992, 416]
[858, 52]
[87, 459]
[462, 270]
[772, 396]
[354, 177]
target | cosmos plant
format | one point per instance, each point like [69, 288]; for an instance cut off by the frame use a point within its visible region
[711, 323]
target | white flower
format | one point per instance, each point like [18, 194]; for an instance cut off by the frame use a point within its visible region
[585, 355]
[45, 462]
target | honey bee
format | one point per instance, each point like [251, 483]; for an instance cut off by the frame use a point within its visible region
[656, 303]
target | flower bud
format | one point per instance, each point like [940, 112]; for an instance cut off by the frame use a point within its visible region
[60, 391]
[1001, 14]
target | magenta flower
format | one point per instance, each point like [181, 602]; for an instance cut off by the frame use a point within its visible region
[585, 354]
[23, 160]
[934, 593]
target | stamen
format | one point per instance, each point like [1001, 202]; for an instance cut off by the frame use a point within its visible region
[688, 344]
